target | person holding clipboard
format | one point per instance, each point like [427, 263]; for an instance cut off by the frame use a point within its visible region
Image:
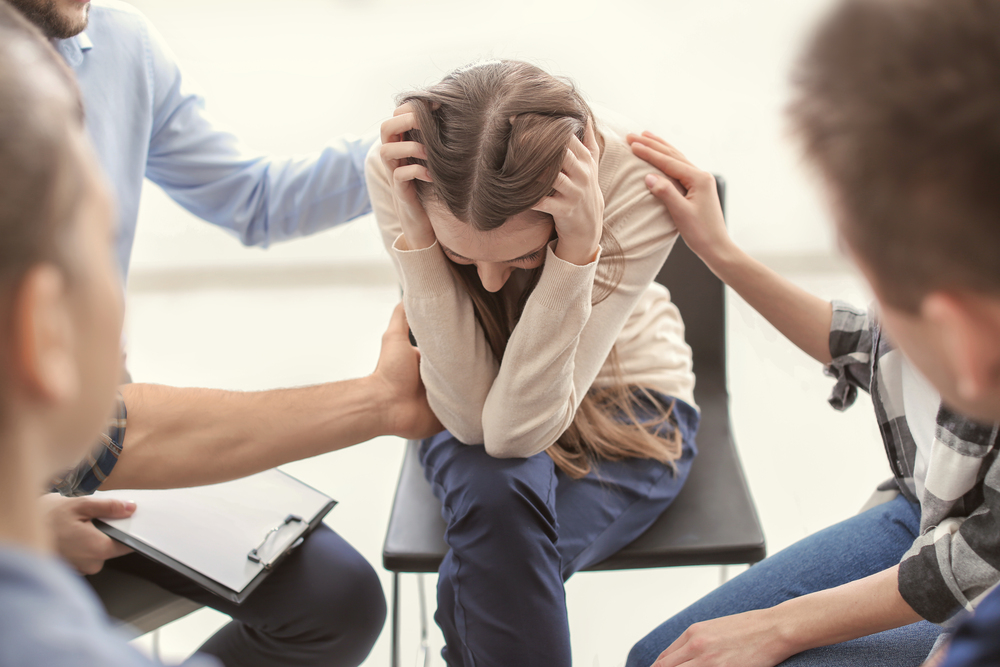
[60, 326]
[146, 122]
[60, 362]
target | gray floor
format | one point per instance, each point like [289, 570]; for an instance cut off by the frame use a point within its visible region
[287, 75]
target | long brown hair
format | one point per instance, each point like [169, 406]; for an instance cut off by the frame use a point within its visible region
[495, 134]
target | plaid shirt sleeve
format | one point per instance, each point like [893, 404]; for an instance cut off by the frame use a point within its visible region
[91, 472]
[955, 560]
[851, 336]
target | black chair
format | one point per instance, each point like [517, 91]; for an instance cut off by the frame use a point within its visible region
[713, 521]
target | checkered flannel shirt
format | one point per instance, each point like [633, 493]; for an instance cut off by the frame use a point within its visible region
[91, 472]
[955, 561]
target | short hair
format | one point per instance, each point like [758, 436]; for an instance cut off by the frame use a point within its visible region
[897, 102]
[40, 182]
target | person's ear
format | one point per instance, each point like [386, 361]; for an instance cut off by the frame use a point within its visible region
[969, 330]
[44, 341]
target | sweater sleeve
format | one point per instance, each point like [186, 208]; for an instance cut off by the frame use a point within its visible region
[457, 365]
[562, 341]
[522, 406]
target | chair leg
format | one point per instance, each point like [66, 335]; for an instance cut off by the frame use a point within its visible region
[723, 574]
[424, 655]
[394, 658]
[156, 645]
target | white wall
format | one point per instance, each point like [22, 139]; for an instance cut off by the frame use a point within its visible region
[286, 75]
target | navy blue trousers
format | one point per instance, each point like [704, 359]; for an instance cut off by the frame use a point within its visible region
[519, 528]
[322, 606]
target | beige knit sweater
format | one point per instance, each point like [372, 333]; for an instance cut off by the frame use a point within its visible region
[560, 347]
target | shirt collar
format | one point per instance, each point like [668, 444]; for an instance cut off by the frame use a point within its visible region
[72, 49]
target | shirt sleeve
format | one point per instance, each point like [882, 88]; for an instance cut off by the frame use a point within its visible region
[260, 199]
[90, 473]
[851, 347]
[952, 564]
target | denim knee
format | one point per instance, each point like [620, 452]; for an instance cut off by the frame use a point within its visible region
[645, 652]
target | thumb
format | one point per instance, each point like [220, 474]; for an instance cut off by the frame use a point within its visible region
[398, 326]
[664, 190]
[107, 508]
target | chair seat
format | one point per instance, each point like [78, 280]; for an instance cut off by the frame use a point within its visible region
[712, 522]
[139, 605]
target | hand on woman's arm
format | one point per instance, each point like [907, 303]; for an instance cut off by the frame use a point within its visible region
[803, 318]
[394, 152]
[188, 437]
[767, 637]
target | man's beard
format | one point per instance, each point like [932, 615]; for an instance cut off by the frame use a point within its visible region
[45, 15]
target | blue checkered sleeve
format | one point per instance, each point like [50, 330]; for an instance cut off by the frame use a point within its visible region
[91, 472]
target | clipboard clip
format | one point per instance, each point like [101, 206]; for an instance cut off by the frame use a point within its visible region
[254, 555]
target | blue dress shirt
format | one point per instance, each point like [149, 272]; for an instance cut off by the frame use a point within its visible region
[145, 122]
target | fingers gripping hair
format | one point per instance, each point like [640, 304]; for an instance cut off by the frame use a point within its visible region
[495, 134]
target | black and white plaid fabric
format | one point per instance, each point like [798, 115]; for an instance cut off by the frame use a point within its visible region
[955, 561]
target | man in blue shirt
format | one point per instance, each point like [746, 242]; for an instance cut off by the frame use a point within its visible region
[146, 123]
[323, 606]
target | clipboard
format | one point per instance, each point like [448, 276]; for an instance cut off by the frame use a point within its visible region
[225, 537]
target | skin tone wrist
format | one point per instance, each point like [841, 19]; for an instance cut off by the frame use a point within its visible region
[723, 258]
[575, 253]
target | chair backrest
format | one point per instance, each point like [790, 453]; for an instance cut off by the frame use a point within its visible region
[700, 296]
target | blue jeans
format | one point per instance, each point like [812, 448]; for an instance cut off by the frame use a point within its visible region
[850, 550]
[518, 528]
[322, 607]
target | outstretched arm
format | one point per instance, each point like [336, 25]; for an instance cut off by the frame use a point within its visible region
[803, 318]
[208, 171]
[188, 437]
[767, 637]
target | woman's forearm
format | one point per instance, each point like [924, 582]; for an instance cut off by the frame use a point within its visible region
[189, 437]
[802, 317]
[856, 609]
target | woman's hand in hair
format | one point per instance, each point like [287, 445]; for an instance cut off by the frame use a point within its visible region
[577, 206]
[395, 151]
[691, 198]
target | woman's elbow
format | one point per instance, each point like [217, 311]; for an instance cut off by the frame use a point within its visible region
[505, 444]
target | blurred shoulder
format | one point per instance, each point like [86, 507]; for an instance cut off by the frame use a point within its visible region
[117, 30]
[115, 13]
[622, 174]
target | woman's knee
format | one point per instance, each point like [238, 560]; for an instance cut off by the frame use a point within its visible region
[508, 493]
[648, 649]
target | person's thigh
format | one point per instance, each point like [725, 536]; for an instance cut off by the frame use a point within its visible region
[323, 605]
[850, 550]
[614, 504]
[907, 646]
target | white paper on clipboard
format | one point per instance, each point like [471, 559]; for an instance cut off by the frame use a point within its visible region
[211, 529]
